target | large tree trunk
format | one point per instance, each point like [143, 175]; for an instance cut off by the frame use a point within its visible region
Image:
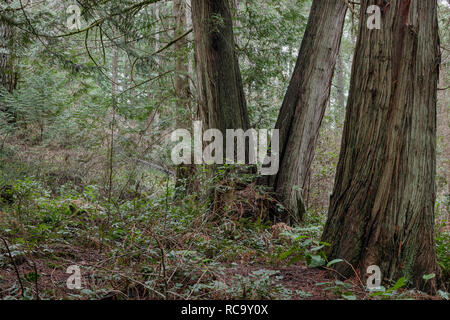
[382, 208]
[185, 172]
[8, 74]
[221, 97]
[305, 102]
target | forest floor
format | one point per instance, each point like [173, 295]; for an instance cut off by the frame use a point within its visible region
[152, 245]
[304, 283]
[52, 277]
[109, 274]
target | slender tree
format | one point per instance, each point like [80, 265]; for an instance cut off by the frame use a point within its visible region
[185, 173]
[382, 207]
[8, 73]
[305, 102]
[115, 84]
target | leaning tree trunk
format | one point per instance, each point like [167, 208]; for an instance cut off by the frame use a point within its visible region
[185, 183]
[382, 208]
[8, 74]
[305, 102]
[221, 97]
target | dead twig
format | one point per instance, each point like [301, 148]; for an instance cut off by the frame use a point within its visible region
[356, 273]
[15, 267]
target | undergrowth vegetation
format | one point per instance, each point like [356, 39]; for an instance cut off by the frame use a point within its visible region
[86, 179]
[159, 247]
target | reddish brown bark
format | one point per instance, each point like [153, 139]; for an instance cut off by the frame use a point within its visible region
[305, 102]
[221, 96]
[382, 208]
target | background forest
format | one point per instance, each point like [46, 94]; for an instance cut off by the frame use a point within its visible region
[86, 177]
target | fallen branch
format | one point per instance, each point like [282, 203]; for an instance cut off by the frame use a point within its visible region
[156, 167]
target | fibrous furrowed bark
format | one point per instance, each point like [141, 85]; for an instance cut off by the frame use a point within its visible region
[382, 208]
[221, 100]
[221, 97]
[305, 102]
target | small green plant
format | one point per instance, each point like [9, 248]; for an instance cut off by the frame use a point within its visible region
[340, 289]
[444, 295]
[304, 248]
[258, 285]
[443, 252]
[392, 292]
